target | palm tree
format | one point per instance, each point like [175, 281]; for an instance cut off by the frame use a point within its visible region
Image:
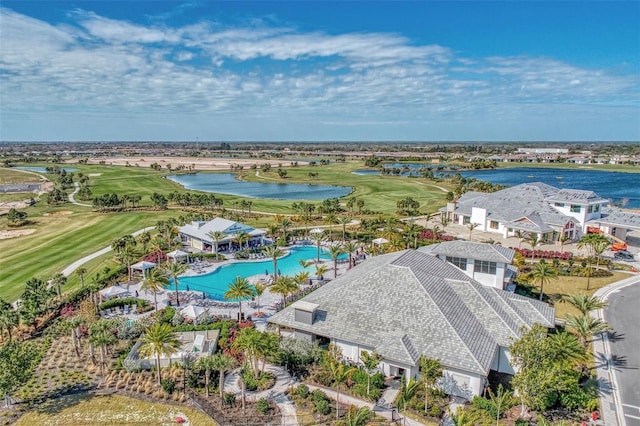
[412, 232]
[301, 278]
[159, 339]
[9, 317]
[520, 236]
[274, 252]
[343, 221]
[585, 326]
[206, 364]
[562, 240]
[305, 263]
[216, 236]
[589, 240]
[260, 288]
[370, 361]
[471, 227]
[222, 363]
[317, 238]
[598, 248]
[239, 290]
[284, 286]
[568, 348]
[155, 281]
[533, 241]
[542, 274]
[350, 248]
[583, 302]
[335, 251]
[174, 269]
[57, 281]
[321, 269]
[330, 219]
[284, 224]
[338, 372]
[101, 335]
[242, 238]
[431, 371]
[81, 271]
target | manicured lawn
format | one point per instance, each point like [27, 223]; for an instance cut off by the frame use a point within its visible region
[108, 411]
[9, 175]
[61, 239]
[573, 285]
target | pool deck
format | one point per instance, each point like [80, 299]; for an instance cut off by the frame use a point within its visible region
[259, 314]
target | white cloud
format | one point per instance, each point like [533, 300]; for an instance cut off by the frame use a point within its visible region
[100, 65]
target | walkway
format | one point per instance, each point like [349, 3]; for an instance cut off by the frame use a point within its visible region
[75, 265]
[73, 200]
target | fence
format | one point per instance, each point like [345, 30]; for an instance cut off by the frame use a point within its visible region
[223, 418]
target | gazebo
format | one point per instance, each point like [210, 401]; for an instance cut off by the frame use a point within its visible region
[112, 292]
[143, 267]
[192, 312]
[178, 256]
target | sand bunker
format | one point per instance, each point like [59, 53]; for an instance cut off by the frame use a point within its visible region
[60, 213]
[14, 233]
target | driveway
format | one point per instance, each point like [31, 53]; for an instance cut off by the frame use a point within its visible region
[624, 316]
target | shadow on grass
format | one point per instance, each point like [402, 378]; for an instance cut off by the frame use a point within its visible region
[57, 405]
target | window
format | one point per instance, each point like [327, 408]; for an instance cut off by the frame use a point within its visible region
[493, 224]
[485, 267]
[575, 208]
[594, 208]
[460, 262]
[466, 220]
[559, 204]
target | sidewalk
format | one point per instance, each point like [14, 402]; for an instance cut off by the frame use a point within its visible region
[610, 404]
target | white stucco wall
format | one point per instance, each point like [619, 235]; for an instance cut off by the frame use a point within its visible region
[502, 361]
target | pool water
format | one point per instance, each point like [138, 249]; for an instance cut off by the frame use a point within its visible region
[216, 283]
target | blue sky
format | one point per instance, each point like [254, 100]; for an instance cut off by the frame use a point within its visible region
[313, 71]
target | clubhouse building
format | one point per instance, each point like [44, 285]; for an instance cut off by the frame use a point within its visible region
[199, 235]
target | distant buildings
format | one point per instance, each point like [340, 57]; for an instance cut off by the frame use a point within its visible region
[541, 209]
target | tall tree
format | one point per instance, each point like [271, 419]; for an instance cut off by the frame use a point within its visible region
[216, 236]
[57, 281]
[9, 317]
[274, 252]
[471, 227]
[81, 271]
[159, 339]
[430, 372]
[533, 241]
[173, 270]
[585, 326]
[542, 274]
[222, 363]
[284, 286]
[371, 362]
[155, 281]
[101, 335]
[318, 237]
[335, 251]
[343, 221]
[338, 371]
[350, 247]
[239, 290]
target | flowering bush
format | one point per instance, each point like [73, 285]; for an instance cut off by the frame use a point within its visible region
[545, 254]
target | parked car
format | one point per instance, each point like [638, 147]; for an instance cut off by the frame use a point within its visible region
[623, 255]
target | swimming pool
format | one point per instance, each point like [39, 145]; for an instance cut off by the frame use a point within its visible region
[217, 282]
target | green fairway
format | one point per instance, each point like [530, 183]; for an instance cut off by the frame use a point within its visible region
[67, 233]
[60, 239]
[8, 175]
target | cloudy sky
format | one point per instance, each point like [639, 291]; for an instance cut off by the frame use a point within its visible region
[314, 71]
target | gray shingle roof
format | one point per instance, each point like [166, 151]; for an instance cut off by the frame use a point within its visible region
[471, 250]
[201, 230]
[410, 303]
[576, 196]
[617, 217]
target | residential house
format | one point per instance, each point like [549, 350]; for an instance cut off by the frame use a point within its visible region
[407, 304]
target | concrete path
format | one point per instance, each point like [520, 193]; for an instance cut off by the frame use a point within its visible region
[276, 394]
[72, 195]
[75, 265]
[611, 407]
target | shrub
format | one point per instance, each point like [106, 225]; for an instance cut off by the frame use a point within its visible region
[262, 405]
[229, 398]
[485, 405]
[168, 385]
[323, 407]
[318, 395]
[303, 391]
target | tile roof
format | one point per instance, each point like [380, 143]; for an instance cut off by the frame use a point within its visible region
[617, 217]
[471, 250]
[201, 230]
[410, 303]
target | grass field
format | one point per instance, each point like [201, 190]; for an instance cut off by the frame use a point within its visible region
[601, 167]
[563, 285]
[110, 411]
[17, 176]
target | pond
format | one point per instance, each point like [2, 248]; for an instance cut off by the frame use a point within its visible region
[43, 169]
[227, 183]
[216, 283]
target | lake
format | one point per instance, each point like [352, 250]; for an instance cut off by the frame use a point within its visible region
[226, 183]
[623, 189]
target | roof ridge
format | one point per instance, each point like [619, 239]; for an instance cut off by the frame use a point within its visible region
[411, 350]
[483, 292]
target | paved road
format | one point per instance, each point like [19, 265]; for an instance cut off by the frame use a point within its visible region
[624, 316]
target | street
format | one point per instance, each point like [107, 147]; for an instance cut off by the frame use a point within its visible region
[624, 317]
